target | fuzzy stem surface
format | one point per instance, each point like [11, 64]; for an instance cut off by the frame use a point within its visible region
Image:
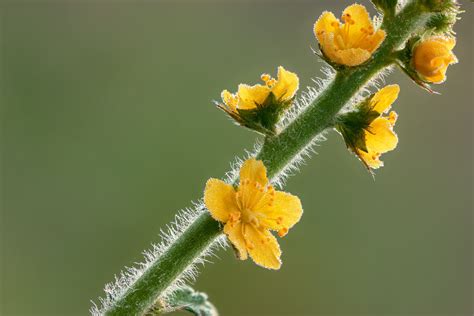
[276, 153]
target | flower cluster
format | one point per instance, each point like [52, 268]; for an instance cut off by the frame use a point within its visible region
[251, 210]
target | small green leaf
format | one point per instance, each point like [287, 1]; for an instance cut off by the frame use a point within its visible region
[185, 299]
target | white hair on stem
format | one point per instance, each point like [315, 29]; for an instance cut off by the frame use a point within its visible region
[115, 290]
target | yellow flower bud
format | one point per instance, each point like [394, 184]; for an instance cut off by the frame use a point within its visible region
[432, 57]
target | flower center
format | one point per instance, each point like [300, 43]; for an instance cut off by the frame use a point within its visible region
[346, 37]
[249, 217]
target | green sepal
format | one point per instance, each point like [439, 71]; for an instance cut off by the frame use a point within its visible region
[442, 23]
[352, 125]
[264, 117]
[185, 299]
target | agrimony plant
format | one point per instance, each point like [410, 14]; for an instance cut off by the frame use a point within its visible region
[414, 35]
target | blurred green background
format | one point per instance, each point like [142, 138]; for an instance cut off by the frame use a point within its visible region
[108, 129]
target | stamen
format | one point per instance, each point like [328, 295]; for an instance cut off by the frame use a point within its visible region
[392, 118]
[265, 77]
[269, 81]
[282, 232]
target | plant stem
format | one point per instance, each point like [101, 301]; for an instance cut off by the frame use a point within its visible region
[277, 152]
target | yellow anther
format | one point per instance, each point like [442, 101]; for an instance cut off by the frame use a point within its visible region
[265, 77]
[392, 117]
[282, 232]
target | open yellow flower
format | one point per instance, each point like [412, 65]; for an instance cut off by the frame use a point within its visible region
[368, 131]
[432, 57]
[259, 107]
[251, 211]
[379, 136]
[352, 42]
[250, 97]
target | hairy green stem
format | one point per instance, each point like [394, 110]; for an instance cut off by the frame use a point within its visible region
[277, 153]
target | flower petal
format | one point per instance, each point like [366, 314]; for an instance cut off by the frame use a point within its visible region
[432, 57]
[380, 136]
[229, 99]
[360, 21]
[262, 247]
[280, 211]
[370, 159]
[383, 99]
[220, 200]
[234, 233]
[255, 170]
[327, 23]
[286, 86]
[251, 96]
[351, 56]
[372, 42]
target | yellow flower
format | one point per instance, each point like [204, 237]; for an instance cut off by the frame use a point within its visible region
[351, 43]
[432, 57]
[379, 136]
[259, 107]
[250, 97]
[251, 211]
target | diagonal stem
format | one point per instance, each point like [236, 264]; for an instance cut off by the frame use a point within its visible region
[276, 153]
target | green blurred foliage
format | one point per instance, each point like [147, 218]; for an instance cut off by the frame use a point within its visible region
[107, 129]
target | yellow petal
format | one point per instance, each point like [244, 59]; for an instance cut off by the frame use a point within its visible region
[251, 96]
[370, 159]
[448, 42]
[360, 21]
[329, 47]
[220, 199]
[286, 85]
[352, 56]
[280, 211]
[380, 137]
[327, 23]
[229, 99]
[234, 233]
[262, 247]
[438, 77]
[372, 42]
[432, 57]
[383, 99]
[254, 170]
